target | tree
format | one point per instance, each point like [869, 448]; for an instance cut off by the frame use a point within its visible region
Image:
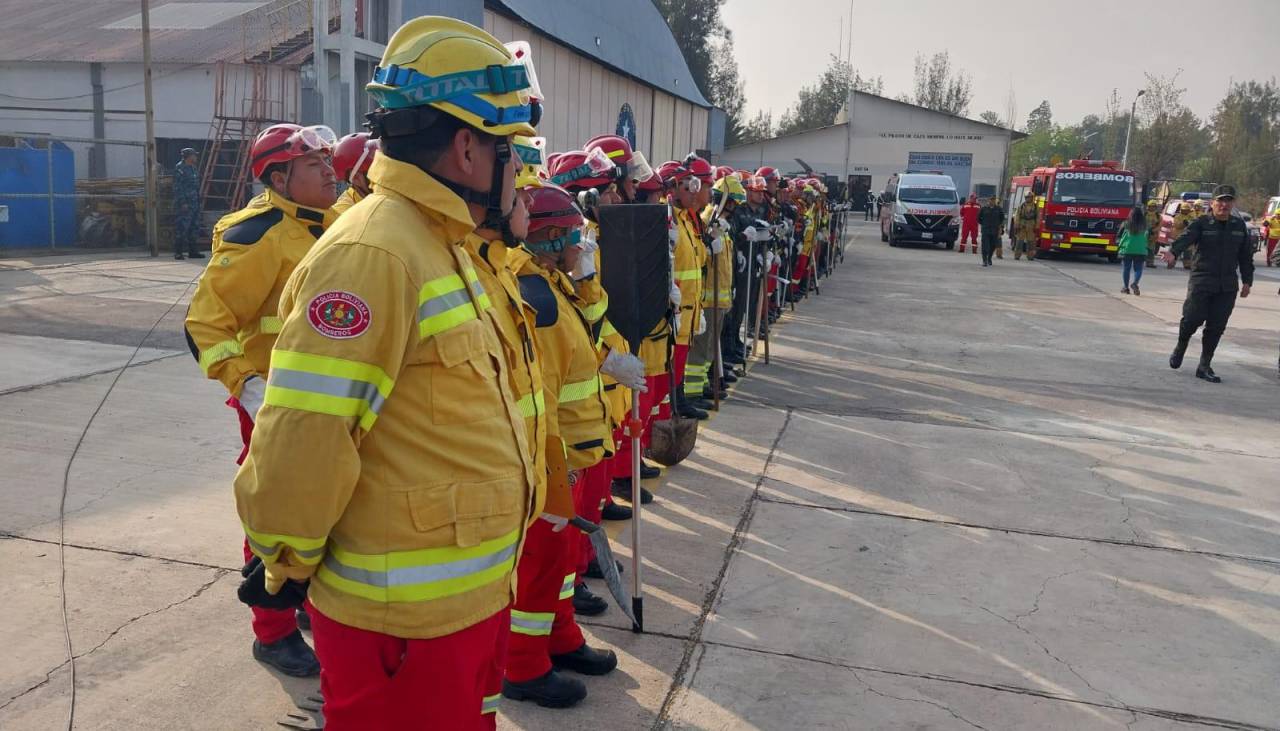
[1168, 134]
[1245, 147]
[940, 88]
[817, 105]
[991, 118]
[759, 128]
[707, 47]
[1040, 119]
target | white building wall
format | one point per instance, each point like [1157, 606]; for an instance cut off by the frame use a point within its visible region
[884, 134]
[183, 96]
[584, 98]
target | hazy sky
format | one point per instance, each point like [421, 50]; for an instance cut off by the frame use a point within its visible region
[1024, 45]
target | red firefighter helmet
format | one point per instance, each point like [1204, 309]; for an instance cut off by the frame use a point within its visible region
[699, 168]
[672, 170]
[652, 184]
[616, 148]
[353, 154]
[285, 142]
[768, 173]
[723, 171]
[550, 206]
[569, 163]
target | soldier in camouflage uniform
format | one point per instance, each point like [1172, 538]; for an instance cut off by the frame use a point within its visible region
[186, 206]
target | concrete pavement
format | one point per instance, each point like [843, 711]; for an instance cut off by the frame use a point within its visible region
[956, 498]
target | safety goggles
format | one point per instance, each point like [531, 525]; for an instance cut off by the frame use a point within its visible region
[317, 138]
[597, 165]
[638, 168]
[556, 245]
[412, 89]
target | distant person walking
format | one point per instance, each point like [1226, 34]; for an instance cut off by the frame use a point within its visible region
[969, 222]
[871, 206]
[1134, 240]
[1024, 240]
[991, 221]
[186, 206]
[1222, 247]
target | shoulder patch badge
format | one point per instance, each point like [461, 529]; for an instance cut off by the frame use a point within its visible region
[338, 315]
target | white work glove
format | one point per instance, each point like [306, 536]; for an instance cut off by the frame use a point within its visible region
[742, 262]
[769, 259]
[749, 233]
[586, 265]
[558, 522]
[717, 243]
[626, 369]
[702, 323]
[822, 236]
[252, 391]
[588, 243]
[674, 295]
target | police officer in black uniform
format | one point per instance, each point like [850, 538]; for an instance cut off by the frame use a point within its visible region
[1222, 246]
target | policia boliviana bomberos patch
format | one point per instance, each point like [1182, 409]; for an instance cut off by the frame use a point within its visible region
[338, 315]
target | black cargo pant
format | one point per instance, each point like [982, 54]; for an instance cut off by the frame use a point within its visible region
[990, 242]
[1210, 308]
[730, 342]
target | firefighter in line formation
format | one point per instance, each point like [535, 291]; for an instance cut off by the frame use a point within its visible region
[428, 388]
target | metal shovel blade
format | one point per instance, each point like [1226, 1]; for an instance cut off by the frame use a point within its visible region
[608, 566]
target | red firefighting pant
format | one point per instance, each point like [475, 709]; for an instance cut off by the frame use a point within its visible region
[269, 625]
[589, 499]
[772, 285]
[1271, 248]
[800, 274]
[967, 233]
[542, 622]
[679, 357]
[658, 387]
[376, 682]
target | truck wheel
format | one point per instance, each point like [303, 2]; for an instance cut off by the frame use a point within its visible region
[951, 245]
[893, 240]
[1113, 258]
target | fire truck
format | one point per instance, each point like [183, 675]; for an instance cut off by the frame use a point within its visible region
[1082, 205]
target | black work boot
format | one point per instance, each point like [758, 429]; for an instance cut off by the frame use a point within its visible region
[586, 660]
[586, 603]
[621, 487]
[194, 255]
[593, 570]
[552, 690]
[1204, 372]
[648, 471]
[1179, 350]
[303, 619]
[291, 656]
[687, 409]
[728, 378]
[614, 511]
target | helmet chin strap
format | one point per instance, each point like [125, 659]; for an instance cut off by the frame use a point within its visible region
[495, 219]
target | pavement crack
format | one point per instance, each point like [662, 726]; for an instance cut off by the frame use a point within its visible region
[4, 535]
[1107, 485]
[1017, 531]
[882, 694]
[694, 639]
[218, 574]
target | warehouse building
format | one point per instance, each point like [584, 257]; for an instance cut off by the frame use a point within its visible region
[888, 137]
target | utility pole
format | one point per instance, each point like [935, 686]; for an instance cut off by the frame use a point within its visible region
[1124, 162]
[153, 241]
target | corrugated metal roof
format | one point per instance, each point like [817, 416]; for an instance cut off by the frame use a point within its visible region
[81, 30]
[629, 35]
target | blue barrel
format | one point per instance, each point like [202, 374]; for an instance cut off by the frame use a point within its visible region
[26, 170]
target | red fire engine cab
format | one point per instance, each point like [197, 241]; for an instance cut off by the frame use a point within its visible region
[1082, 205]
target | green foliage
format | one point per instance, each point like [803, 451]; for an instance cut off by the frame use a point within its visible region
[941, 88]
[707, 47]
[817, 106]
[991, 117]
[1040, 119]
[1245, 147]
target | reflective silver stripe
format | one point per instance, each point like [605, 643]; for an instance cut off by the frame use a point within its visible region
[328, 386]
[411, 575]
[531, 626]
[490, 704]
[443, 303]
[271, 550]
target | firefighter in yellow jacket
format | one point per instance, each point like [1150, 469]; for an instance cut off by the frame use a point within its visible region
[717, 285]
[391, 467]
[232, 323]
[545, 638]
[690, 194]
[352, 157]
